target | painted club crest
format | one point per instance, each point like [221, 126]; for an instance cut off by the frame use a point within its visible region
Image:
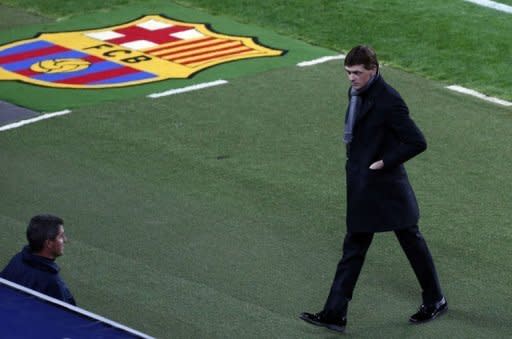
[149, 49]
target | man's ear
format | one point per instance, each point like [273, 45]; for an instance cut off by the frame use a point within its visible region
[47, 244]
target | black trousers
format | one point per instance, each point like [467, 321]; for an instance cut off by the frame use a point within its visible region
[355, 247]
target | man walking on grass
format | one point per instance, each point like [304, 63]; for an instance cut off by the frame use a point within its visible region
[380, 137]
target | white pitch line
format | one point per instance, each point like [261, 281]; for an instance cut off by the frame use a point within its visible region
[479, 95]
[187, 89]
[492, 4]
[320, 60]
[36, 119]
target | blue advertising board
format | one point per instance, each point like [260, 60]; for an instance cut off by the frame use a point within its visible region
[26, 314]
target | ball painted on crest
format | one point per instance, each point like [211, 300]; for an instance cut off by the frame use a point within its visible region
[60, 65]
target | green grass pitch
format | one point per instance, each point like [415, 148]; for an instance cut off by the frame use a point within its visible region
[220, 213]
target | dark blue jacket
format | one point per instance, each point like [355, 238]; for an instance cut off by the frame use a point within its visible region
[38, 273]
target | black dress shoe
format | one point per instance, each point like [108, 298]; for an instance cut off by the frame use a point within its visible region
[320, 319]
[429, 312]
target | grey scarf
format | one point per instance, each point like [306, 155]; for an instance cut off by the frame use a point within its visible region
[354, 108]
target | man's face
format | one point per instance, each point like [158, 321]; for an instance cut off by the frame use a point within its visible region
[56, 246]
[359, 76]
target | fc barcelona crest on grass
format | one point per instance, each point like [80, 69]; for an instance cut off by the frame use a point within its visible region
[149, 49]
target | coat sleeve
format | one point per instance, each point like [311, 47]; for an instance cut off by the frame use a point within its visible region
[411, 141]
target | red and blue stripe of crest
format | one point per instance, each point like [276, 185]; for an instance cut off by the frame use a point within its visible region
[20, 58]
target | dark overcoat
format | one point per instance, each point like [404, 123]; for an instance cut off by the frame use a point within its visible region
[382, 200]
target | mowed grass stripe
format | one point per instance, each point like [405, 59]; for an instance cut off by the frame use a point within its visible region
[196, 306]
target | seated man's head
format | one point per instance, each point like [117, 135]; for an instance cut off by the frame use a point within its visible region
[45, 235]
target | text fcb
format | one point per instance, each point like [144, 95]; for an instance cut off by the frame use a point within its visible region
[149, 49]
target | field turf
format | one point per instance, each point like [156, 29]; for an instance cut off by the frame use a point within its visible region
[449, 41]
[220, 213]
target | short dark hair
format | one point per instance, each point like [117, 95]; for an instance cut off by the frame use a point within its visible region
[42, 227]
[362, 55]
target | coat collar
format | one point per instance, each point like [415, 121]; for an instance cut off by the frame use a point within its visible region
[39, 262]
